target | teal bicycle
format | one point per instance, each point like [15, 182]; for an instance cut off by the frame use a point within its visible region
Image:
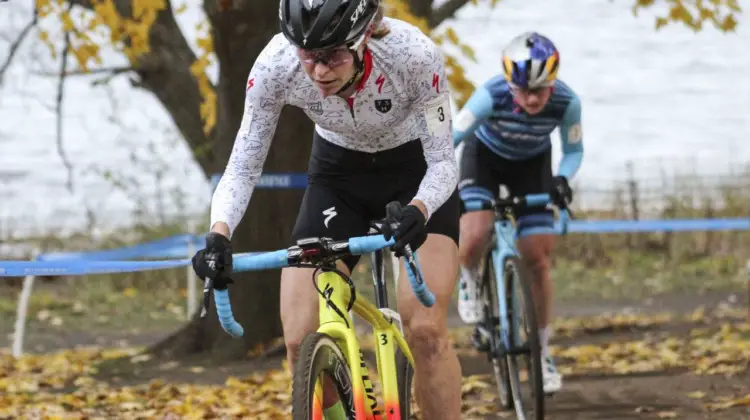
[507, 297]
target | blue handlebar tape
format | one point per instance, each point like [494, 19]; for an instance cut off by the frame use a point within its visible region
[365, 244]
[537, 200]
[264, 261]
[226, 318]
[420, 289]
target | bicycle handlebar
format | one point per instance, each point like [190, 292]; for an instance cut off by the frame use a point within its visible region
[317, 248]
[530, 200]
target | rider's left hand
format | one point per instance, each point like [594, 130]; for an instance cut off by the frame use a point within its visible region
[410, 229]
[561, 193]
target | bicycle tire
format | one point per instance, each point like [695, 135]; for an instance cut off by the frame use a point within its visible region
[319, 353]
[404, 378]
[513, 278]
[491, 321]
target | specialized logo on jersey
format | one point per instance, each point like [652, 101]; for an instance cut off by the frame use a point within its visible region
[379, 81]
[436, 82]
[250, 83]
[330, 213]
[383, 105]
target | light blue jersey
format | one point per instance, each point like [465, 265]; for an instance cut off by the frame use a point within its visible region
[493, 116]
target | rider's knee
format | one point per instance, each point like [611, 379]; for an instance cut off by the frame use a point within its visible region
[427, 340]
[293, 342]
[537, 262]
[475, 229]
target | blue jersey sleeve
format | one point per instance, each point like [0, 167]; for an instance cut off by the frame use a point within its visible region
[477, 108]
[571, 136]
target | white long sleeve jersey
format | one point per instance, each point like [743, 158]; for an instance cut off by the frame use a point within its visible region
[403, 96]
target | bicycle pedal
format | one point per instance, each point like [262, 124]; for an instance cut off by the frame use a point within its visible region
[479, 342]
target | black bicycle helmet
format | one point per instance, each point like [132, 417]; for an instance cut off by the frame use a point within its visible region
[319, 24]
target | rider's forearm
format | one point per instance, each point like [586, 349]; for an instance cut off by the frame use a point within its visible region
[438, 184]
[570, 164]
[420, 205]
[230, 202]
[571, 137]
[222, 228]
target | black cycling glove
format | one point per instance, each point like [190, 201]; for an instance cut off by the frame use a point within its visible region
[561, 193]
[405, 224]
[215, 260]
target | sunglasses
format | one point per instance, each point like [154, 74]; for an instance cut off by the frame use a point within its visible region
[333, 57]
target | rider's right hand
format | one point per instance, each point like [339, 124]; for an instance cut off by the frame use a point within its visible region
[561, 193]
[215, 260]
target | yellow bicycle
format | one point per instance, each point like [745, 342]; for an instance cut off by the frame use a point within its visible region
[333, 351]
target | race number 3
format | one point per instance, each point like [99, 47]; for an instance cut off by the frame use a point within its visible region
[438, 117]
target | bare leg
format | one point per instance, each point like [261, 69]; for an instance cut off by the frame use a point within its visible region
[437, 370]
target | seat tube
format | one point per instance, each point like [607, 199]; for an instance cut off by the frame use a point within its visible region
[378, 279]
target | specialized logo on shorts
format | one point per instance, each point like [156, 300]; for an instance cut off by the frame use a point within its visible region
[383, 105]
[330, 213]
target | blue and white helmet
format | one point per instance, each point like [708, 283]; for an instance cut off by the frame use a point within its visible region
[530, 61]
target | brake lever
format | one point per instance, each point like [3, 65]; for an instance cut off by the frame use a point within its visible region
[208, 285]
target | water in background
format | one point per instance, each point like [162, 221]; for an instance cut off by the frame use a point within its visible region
[671, 101]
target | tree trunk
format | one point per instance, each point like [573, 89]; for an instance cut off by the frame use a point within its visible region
[239, 35]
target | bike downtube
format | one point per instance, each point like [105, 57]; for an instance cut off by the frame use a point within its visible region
[339, 326]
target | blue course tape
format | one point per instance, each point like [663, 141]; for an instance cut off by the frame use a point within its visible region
[82, 263]
[82, 267]
[642, 226]
[172, 247]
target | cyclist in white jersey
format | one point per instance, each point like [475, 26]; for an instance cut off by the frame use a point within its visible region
[377, 91]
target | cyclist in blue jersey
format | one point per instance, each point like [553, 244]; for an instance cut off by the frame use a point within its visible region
[505, 127]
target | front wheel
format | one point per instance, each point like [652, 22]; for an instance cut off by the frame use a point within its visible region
[491, 323]
[320, 357]
[404, 376]
[524, 343]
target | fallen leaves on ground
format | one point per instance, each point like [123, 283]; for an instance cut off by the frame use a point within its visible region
[61, 385]
[608, 323]
[726, 351]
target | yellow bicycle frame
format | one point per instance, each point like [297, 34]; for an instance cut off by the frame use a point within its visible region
[341, 329]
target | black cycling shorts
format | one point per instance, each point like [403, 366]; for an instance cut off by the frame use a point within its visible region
[348, 189]
[484, 173]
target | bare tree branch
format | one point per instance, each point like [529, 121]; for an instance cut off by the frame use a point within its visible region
[447, 10]
[165, 72]
[60, 92]
[17, 43]
[106, 70]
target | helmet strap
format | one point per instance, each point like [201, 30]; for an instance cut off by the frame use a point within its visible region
[359, 65]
